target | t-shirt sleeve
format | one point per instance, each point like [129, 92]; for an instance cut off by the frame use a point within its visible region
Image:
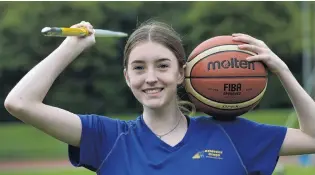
[258, 144]
[98, 135]
[264, 155]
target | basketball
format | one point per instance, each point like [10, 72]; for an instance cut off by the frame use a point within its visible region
[220, 81]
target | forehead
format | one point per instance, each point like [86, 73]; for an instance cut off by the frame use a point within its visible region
[150, 51]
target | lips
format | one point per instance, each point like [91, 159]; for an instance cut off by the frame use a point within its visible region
[152, 90]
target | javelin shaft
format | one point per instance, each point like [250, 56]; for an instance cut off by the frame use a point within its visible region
[64, 32]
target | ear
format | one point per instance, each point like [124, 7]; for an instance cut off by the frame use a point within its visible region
[181, 75]
[126, 77]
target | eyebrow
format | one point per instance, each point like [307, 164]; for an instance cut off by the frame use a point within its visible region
[159, 60]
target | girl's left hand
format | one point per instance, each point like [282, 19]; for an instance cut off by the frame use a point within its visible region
[264, 54]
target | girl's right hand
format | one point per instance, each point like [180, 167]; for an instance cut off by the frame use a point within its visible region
[81, 43]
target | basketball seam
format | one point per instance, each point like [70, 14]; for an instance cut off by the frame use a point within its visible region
[225, 102]
[208, 49]
[224, 109]
[212, 48]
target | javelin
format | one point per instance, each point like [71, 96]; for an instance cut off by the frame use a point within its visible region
[64, 32]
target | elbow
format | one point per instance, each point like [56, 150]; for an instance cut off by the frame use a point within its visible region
[14, 106]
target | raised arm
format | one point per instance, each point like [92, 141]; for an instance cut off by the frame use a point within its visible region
[25, 101]
[297, 141]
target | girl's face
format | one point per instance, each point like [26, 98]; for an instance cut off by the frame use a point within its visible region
[153, 74]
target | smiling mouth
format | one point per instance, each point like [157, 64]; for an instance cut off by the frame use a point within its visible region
[153, 91]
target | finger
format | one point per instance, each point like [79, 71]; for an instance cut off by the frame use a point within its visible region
[84, 24]
[242, 38]
[89, 27]
[87, 24]
[246, 39]
[240, 34]
[257, 58]
[252, 48]
[81, 24]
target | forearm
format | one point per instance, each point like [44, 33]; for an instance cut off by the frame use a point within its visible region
[304, 105]
[34, 86]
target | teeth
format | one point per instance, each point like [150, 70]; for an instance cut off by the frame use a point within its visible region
[152, 91]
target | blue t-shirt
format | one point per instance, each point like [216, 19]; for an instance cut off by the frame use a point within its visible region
[240, 147]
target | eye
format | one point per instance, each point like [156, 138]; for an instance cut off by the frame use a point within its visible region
[163, 66]
[138, 68]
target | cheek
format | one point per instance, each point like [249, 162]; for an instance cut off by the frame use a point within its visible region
[171, 77]
[135, 87]
[135, 82]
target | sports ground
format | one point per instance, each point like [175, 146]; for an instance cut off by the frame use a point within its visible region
[26, 151]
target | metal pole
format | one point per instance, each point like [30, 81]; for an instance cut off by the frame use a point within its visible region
[313, 42]
[306, 43]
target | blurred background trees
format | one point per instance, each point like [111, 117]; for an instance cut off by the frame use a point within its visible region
[94, 83]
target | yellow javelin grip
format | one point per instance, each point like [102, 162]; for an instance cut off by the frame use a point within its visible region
[63, 31]
[75, 32]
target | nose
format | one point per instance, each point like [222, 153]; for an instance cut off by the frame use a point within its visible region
[151, 78]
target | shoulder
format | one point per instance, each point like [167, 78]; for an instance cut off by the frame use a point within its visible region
[240, 123]
[237, 123]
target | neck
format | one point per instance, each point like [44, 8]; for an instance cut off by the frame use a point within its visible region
[163, 120]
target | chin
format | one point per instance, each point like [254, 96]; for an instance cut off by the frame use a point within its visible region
[154, 104]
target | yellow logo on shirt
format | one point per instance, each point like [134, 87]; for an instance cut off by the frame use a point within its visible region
[208, 153]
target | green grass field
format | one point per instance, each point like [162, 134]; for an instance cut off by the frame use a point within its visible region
[290, 170]
[23, 142]
[78, 171]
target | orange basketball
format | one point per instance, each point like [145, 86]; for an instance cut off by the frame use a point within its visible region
[219, 80]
